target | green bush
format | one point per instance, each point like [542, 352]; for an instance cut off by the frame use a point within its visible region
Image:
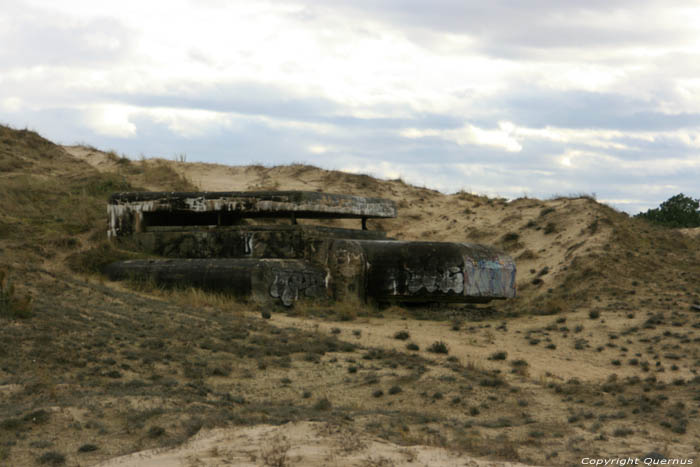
[438, 347]
[11, 305]
[677, 211]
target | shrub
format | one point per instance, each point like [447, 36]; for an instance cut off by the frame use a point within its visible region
[677, 211]
[87, 448]
[491, 382]
[412, 346]
[546, 211]
[11, 424]
[622, 432]
[502, 355]
[323, 404]
[11, 305]
[438, 347]
[37, 417]
[520, 363]
[52, 458]
[156, 431]
[402, 335]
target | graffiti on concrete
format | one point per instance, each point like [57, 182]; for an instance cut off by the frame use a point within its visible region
[288, 286]
[444, 279]
[248, 244]
[217, 246]
[490, 278]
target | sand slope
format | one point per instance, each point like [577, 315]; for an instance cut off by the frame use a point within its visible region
[598, 355]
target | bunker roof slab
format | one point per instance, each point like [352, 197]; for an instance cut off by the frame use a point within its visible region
[307, 204]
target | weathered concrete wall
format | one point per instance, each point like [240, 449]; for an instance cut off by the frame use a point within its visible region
[394, 271]
[287, 262]
[347, 264]
[131, 212]
[437, 271]
[263, 280]
[249, 241]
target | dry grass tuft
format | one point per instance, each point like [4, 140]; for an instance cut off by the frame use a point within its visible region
[277, 452]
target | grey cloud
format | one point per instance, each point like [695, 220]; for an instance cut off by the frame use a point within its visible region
[34, 37]
[429, 161]
[503, 28]
[539, 108]
[508, 28]
[255, 99]
[249, 98]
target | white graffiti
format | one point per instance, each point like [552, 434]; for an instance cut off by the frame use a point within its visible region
[438, 278]
[288, 286]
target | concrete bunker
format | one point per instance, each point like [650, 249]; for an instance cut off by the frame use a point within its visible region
[219, 241]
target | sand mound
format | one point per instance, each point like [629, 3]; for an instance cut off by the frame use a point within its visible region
[310, 444]
[598, 355]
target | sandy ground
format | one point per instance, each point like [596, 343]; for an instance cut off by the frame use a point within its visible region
[309, 444]
[549, 239]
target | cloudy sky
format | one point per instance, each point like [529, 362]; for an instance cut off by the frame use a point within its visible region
[501, 97]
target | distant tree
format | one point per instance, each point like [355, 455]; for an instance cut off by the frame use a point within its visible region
[677, 211]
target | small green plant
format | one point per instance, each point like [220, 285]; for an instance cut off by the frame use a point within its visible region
[87, 448]
[402, 335]
[156, 431]
[491, 382]
[11, 305]
[511, 237]
[622, 432]
[502, 355]
[439, 347]
[412, 346]
[52, 458]
[546, 211]
[520, 367]
[323, 404]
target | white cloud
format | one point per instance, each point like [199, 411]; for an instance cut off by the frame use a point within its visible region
[382, 169]
[189, 123]
[319, 149]
[469, 134]
[11, 104]
[110, 120]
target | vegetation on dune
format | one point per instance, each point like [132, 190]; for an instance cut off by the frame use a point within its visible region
[677, 211]
[12, 305]
[149, 368]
